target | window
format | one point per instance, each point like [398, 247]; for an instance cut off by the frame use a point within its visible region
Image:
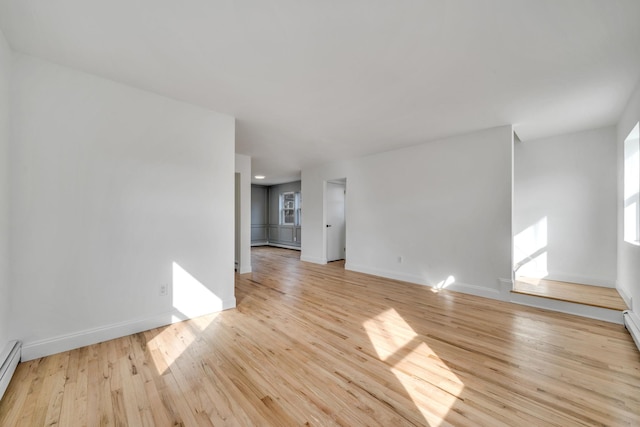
[632, 187]
[290, 208]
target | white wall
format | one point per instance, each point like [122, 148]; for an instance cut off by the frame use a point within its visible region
[628, 254]
[243, 249]
[313, 247]
[116, 192]
[444, 207]
[567, 182]
[5, 295]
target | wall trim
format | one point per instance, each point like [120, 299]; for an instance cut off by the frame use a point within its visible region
[244, 269]
[625, 296]
[632, 323]
[466, 288]
[82, 338]
[278, 245]
[313, 259]
[389, 274]
[505, 286]
[479, 291]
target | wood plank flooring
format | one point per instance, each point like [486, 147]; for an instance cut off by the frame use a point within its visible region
[317, 345]
[596, 296]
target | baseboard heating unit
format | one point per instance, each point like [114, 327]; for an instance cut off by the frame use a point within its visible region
[9, 359]
[632, 323]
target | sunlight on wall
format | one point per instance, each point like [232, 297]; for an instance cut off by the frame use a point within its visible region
[443, 284]
[397, 344]
[632, 187]
[530, 250]
[192, 301]
[190, 297]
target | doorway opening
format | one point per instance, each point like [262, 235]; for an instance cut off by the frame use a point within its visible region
[238, 209]
[336, 224]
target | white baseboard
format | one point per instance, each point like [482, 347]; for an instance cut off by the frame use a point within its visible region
[505, 287]
[312, 259]
[244, 269]
[466, 288]
[9, 359]
[395, 275]
[479, 291]
[626, 297]
[632, 323]
[277, 245]
[58, 344]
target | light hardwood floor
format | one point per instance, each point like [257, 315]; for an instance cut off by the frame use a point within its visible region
[318, 345]
[596, 296]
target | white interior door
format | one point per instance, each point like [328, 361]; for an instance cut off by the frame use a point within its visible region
[336, 226]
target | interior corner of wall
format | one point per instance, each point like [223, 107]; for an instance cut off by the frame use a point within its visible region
[505, 288]
[625, 296]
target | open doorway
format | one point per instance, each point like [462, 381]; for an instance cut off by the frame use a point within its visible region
[336, 225]
[238, 210]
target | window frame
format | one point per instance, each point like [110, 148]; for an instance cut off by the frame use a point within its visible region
[289, 207]
[631, 187]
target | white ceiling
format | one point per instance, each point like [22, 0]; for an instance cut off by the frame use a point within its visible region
[314, 81]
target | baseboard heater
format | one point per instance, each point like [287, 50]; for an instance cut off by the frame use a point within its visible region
[632, 323]
[9, 359]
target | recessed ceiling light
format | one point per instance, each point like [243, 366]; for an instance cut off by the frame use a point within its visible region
[259, 177]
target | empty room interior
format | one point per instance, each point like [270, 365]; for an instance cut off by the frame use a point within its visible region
[271, 213]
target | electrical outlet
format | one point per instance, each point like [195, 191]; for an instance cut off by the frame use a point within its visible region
[164, 289]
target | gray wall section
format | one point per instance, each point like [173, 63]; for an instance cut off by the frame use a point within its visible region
[265, 216]
[259, 214]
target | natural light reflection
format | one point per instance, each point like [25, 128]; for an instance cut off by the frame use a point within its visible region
[534, 267]
[443, 284]
[194, 308]
[530, 252]
[190, 297]
[385, 342]
[166, 347]
[426, 378]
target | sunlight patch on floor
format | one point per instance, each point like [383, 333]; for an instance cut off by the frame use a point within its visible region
[397, 344]
[167, 346]
[190, 300]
